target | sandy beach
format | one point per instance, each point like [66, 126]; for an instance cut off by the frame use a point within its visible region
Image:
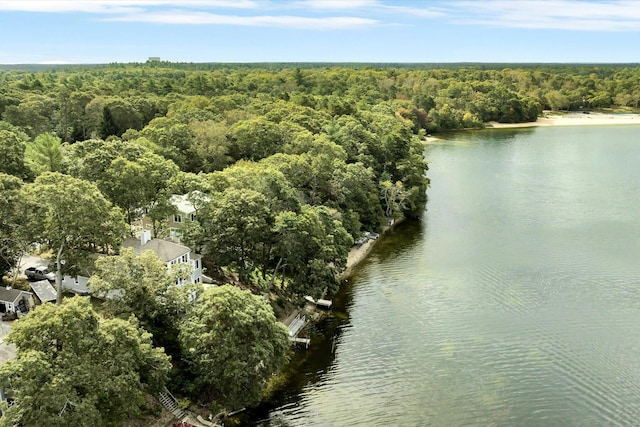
[574, 119]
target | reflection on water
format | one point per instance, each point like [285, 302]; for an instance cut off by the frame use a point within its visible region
[514, 302]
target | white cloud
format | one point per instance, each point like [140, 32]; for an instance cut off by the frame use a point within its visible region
[374, 6]
[115, 6]
[582, 15]
[337, 4]
[310, 14]
[283, 21]
[425, 12]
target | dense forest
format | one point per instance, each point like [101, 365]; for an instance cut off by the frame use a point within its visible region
[287, 166]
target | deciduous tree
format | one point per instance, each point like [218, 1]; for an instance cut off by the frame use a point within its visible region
[71, 369]
[12, 148]
[73, 218]
[234, 345]
[12, 241]
[238, 223]
[141, 285]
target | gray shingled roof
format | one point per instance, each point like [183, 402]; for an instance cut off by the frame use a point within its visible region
[10, 295]
[166, 251]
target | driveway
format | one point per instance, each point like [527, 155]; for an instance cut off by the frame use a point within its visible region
[7, 351]
[31, 261]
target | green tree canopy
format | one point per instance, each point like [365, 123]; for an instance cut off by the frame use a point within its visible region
[71, 369]
[313, 247]
[12, 240]
[130, 175]
[141, 285]
[238, 223]
[44, 154]
[12, 148]
[73, 218]
[257, 138]
[234, 344]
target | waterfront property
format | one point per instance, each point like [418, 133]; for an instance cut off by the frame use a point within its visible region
[513, 302]
[169, 252]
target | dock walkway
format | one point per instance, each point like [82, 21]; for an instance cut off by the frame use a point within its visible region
[295, 325]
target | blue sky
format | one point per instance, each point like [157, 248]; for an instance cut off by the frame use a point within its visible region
[76, 31]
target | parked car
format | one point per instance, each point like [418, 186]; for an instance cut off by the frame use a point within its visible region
[360, 241]
[39, 273]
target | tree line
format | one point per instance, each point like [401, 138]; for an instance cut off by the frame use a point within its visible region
[286, 167]
[78, 104]
[281, 188]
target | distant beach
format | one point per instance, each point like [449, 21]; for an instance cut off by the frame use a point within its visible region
[574, 119]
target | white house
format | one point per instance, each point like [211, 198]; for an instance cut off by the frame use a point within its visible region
[15, 300]
[186, 206]
[169, 252]
[80, 284]
[185, 211]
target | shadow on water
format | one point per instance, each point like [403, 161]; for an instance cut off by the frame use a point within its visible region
[483, 136]
[307, 367]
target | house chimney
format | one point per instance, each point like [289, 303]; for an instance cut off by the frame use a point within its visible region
[145, 236]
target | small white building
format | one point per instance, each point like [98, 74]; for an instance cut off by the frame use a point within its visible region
[44, 291]
[79, 284]
[15, 300]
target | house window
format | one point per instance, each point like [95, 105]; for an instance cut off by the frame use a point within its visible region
[197, 280]
[193, 217]
[197, 264]
[177, 218]
[184, 258]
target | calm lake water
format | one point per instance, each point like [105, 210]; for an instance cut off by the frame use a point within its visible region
[515, 302]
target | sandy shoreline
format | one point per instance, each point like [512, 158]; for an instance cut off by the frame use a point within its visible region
[574, 119]
[359, 253]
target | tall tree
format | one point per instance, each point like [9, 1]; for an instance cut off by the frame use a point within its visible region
[312, 247]
[257, 138]
[238, 222]
[234, 345]
[12, 242]
[138, 183]
[73, 218]
[71, 369]
[12, 148]
[211, 146]
[44, 154]
[141, 285]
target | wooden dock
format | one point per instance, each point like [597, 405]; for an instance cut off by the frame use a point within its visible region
[305, 341]
[295, 326]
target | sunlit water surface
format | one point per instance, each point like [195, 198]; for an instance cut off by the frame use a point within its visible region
[515, 302]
